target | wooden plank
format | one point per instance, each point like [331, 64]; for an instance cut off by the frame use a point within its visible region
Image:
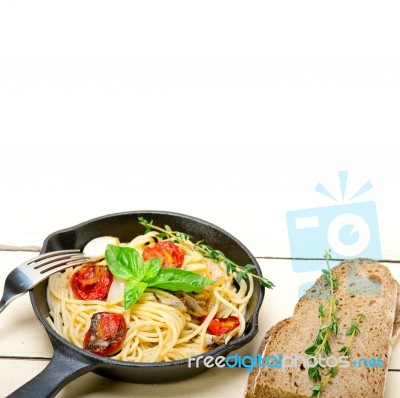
[216, 382]
[12, 248]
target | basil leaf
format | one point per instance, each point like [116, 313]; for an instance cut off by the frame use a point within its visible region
[178, 279]
[124, 262]
[151, 268]
[133, 290]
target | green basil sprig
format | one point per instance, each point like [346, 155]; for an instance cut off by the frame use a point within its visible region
[126, 263]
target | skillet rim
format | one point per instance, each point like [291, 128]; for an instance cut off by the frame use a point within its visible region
[225, 349]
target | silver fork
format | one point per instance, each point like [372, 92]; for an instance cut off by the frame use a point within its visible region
[33, 271]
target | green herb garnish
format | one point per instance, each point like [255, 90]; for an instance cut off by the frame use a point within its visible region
[327, 313]
[126, 263]
[352, 331]
[206, 251]
[328, 321]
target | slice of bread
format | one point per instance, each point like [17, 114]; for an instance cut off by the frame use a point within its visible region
[364, 287]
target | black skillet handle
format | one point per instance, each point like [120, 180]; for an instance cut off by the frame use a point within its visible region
[62, 369]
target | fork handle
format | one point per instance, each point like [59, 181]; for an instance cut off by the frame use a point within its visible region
[8, 296]
[5, 301]
[3, 304]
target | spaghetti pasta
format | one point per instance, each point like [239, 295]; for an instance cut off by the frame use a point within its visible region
[161, 325]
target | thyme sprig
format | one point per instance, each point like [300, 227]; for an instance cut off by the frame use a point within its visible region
[352, 331]
[205, 250]
[327, 314]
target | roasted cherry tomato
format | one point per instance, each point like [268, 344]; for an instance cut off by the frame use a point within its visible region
[106, 334]
[91, 282]
[171, 254]
[219, 326]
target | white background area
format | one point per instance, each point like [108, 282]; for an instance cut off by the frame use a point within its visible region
[229, 111]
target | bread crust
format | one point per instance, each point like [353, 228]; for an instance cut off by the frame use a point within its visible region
[396, 324]
[364, 287]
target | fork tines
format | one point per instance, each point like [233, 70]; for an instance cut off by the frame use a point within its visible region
[61, 258]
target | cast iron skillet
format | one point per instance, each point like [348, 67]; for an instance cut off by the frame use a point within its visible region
[69, 361]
